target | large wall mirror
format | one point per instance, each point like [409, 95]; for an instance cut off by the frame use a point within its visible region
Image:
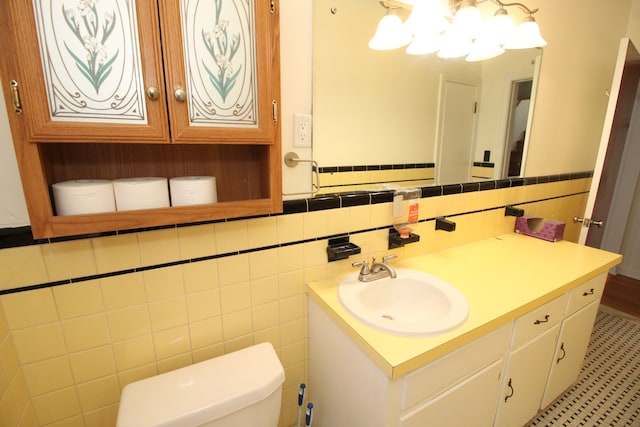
[386, 118]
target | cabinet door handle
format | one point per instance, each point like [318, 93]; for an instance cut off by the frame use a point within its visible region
[589, 292]
[564, 353]
[153, 93]
[180, 95]
[545, 320]
[509, 392]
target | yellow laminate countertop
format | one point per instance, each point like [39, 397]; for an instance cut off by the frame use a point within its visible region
[502, 278]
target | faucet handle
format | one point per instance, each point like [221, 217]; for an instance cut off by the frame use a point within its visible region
[363, 264]
[388, 257]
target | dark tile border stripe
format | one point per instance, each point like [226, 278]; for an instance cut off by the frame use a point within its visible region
[358, 168]
[21, 236]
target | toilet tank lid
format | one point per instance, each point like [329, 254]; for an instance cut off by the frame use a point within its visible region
[204, 391]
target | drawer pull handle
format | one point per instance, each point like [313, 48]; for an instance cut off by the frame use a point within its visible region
[564, 353]
[510, 391]
[589, 292]
[545, 320]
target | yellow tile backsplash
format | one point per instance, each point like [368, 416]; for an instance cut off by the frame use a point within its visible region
[99, 393]
[116, 253]
[85, 332]
[128, 322]
[75, 255]
[57, 405]
[134, 352]
[78, 299]
[48, 375]
[123, 291]
[200, 276]
[232, 270]
[163, 282]
[158, 246]
[39, 343]
[196, 241]
[202, 305]
[66, 351]
[231, 236]
[41, 308]
[168, 313]
[22, 266]
[92, 364]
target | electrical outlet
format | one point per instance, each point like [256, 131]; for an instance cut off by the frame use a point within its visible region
[302, 130]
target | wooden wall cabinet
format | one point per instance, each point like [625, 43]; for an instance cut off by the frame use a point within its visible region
[119, 89]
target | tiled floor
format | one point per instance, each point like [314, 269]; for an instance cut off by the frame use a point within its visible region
[607, 392]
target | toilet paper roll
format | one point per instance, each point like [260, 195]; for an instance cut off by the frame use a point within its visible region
[141, 193]
[83, 196]
[193, 190]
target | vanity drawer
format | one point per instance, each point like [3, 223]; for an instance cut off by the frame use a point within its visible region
[591, 290]
[446, 371]
[538, 321]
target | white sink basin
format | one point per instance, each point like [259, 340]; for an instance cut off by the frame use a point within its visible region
[414, 303]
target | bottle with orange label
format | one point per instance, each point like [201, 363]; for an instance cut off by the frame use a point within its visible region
[405, 210]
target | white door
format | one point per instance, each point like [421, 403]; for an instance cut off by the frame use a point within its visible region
[587, 220]
[456, 130]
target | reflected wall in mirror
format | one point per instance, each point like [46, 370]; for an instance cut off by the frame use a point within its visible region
[386, 118]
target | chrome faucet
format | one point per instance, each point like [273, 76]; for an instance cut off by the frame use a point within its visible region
[378, 270]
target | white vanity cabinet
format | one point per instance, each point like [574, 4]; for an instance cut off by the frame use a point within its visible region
[521, 347]
[348, 389]
[532, 347]
[574, 337]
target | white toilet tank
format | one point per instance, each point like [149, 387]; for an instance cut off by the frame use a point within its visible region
[236, 389]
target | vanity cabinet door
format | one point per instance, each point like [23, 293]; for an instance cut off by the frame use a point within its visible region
[570, 351]
[471, 402]
[83, 68]
[525, 380]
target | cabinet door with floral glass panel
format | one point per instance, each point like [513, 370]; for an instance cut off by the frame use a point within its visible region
[89, 70]
[222, 69]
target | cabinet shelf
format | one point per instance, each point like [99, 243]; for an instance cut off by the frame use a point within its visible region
[126, 220]
[238, 170]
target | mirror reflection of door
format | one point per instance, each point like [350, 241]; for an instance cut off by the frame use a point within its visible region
[456, 130]
[516, 129]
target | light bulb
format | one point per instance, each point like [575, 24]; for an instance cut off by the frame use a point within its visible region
[500, 27]
[526, 35]
[468, 20]
[391, 33]
[455, 44]
[425, 43]
[426, 15]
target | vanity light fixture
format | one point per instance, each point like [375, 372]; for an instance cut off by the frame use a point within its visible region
[462, 32]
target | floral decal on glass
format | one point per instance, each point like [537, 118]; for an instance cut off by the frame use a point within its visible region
[217, 44]
[219, 41]
[92, 66]
[93, 33]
